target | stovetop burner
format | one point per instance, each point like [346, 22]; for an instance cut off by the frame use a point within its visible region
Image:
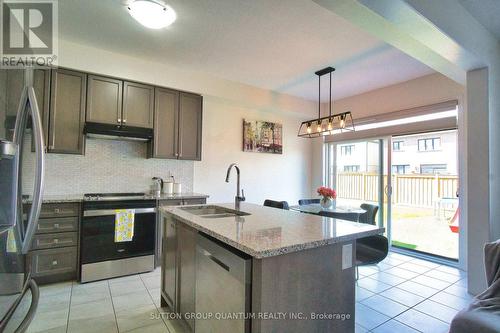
[113, 196]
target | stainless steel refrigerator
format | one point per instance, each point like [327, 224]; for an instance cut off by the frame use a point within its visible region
[19, 293]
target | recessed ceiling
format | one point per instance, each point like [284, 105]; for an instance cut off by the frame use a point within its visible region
[486, 12]
[272, 44]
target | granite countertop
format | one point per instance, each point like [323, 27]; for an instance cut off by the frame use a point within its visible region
[187, 195]
[79, 197]
[268, 232]
[56, 198]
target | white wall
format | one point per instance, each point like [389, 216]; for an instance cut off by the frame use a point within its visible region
[263, 176]
[226, 103]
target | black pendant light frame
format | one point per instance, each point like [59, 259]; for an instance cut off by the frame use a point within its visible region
[326, 125]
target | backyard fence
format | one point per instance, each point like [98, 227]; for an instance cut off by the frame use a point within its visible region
[413, 190]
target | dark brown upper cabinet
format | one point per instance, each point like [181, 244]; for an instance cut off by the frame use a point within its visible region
[178, 125]
[190, 126]
[164, 144]
[117, 102]
[104, 103]
[67, 112]
[138, 105]
[11, 85]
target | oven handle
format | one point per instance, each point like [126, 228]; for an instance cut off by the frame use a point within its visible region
[109, 212]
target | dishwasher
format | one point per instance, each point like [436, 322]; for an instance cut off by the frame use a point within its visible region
[223, 287]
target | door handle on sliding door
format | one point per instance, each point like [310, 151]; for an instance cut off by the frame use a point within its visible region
[388, 190]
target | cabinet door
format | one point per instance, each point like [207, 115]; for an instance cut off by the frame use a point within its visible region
[166, 120]
[104, 103]
[169, 267]
[41, 83]
[67, 112]
[187, 270]
[138, 105]
[190, 126]
[11, 86]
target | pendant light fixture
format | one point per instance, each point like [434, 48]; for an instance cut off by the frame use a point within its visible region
[331, 124]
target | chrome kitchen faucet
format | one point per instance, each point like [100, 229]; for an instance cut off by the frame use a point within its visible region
[237, 198]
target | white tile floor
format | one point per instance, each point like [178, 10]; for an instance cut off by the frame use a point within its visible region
[401, 294]
[405, 294]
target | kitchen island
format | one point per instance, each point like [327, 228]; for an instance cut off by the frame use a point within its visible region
[281, 271]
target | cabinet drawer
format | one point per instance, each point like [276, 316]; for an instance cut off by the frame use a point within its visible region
[49, 241]
[60, 210]
[53, 261]
[198, 201]
[61, 224]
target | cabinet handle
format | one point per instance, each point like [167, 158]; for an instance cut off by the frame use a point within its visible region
[119, 120]
[54, 263]
[56, 241]
[124, 121]
[57, 210]
[56, 225]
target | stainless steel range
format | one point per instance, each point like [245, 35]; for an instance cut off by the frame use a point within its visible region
[101, 255]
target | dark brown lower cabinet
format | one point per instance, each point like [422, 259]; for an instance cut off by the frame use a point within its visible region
[179, 264]
[67, 112]
[187, 271]
[53, 255]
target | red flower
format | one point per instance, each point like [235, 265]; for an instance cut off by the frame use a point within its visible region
[327, 192]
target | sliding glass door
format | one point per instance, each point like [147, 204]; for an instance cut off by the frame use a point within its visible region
[356, 171]
[413, 179]
[425, 213]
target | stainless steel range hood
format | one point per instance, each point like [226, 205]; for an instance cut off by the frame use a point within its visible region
[117, 132]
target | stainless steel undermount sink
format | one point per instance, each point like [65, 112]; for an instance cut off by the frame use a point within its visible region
[213, 212]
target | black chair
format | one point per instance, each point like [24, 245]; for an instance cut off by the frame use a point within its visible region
[343, 216]
[372, 249]
[308, 201]
[276, 204]
[368, 217]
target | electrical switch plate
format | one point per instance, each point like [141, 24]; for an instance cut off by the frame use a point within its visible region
[346, 256]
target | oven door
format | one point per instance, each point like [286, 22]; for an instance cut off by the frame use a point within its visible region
[98, 235]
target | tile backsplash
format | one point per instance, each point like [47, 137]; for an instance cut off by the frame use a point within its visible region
[108, 166]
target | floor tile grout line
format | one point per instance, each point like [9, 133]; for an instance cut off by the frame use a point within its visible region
[113, 305]
[69, 306]
[394, 318]
[156, 306]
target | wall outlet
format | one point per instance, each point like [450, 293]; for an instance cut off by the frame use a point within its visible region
[346, 256]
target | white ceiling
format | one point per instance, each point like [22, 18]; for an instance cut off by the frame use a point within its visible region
[486, 12]
[272, 44]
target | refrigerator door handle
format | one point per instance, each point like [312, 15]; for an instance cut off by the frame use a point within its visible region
[28, 96]
[31, 285]
[35, 296]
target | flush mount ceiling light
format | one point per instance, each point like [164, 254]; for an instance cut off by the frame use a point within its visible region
[152, 14]
[333, 123]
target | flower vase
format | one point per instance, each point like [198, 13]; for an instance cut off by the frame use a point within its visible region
[326, 202]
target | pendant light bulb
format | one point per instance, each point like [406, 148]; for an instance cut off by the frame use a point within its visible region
[308, 128]
[319, 126]
[342, 121]
[330, 125]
